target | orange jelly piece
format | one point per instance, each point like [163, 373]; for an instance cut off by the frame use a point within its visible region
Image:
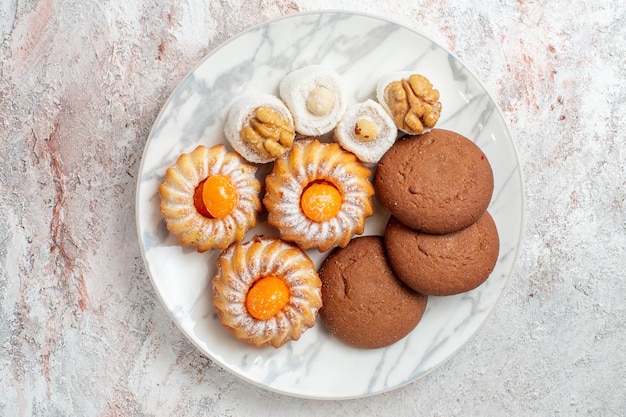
[266, 297]
[219, 196]
[198, 203]
[320, 201]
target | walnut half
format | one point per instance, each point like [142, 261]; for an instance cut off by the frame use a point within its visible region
[414, 103]
[268, 132]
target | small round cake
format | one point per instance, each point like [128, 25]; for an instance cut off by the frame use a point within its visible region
[443, 264]
[266, 291]
[210, 198]
[318, 195]
[438, 182]
[366, 130]
[315, 97]
[365, 305]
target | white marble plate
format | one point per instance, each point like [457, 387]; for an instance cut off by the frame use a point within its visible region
[361, 49]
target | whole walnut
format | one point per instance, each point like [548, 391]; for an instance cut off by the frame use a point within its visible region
[412, 102]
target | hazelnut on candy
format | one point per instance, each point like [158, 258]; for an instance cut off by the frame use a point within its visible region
[367, 130]
[320, 101]
[315, 97]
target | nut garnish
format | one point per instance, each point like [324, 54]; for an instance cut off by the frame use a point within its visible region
[414, 103]
[268, 133]
[320, 101]
[365, 130]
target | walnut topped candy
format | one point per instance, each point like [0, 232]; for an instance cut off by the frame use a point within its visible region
[268, 132]
[366, 130]
[260, 128]
[411, 101]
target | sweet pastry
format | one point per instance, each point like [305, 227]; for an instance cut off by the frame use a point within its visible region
[210, 198]
[365, 304]
[411, 101]
[318, 195]
[438, 182]
[260, 127]
[266, 291]
[366, 130]
[315, 97]
[443, 264]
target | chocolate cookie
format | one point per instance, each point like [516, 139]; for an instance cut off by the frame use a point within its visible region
[443, 264]
[438, 182]
[364, 304]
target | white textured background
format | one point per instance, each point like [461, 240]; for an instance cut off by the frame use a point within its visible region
[81, 330]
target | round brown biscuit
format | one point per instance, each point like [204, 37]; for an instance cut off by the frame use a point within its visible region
[438, 182]
[364, 304]
[443, 264]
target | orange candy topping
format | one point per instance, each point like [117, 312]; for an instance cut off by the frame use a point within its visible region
[266, 297]
[320, 201]
[219, 196]
[198, 203]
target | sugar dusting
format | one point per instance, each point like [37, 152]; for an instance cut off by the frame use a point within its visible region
[311, 161]
[177, 194]
[238, 270]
